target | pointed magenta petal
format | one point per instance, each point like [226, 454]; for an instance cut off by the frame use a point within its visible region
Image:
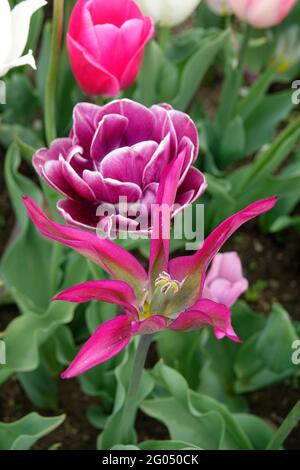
[160, 240]
[113, 292]
[190, 270]
[111, 257]
[206, 313]
[195, 265]
[107, 341]
[153, 324]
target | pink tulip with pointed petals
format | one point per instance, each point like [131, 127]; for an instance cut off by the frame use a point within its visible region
[225, 282]
[106, 42]
[170, 295]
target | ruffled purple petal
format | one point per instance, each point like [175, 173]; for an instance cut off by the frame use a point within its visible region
[78, 213]
[52, 173]
[141, 120]
[164, 126]
[58, 147]
[85, 122]
[185, 127]
[76, 182]
[108, 136]
[128, 163]
[191, 189]
[109, 190]
[155, 166]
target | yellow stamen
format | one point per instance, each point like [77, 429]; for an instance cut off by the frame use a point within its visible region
[145, 312]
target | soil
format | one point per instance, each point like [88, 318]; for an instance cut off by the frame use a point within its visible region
[273, 263]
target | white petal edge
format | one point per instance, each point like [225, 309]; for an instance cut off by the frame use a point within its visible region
[20, 24]
[5, 32]
[27, 59]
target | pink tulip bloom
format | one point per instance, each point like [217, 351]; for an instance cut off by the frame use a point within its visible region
[120, 150]
[169, 296]
[106, 41]
[262, 13]
[225, 282]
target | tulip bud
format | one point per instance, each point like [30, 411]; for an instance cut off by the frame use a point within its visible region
[106, 41]
[262, 13]
[14, 31]
[225, 282]
[169, 12]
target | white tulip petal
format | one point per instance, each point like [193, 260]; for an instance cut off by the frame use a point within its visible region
[27, 59]
[179, 11]
[20, 19]
[5, 32]
[169, 12]
[155, 8]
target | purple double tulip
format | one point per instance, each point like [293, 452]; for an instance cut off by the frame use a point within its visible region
[120, 150]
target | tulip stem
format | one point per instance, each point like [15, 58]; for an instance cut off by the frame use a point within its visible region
[51, 82]
[244, 47]
[285, 428]
[163, 37]
[232, 84]
[130, 405]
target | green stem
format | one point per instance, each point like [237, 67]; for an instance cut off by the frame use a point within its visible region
[285, 428]
[130, 405]
[228, 46]
[164, 36]
[244, 47]
[50, 92]
[233, 84]
[55, 261]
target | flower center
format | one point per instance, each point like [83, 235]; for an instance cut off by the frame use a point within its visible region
[156, 304]
[167, 284]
